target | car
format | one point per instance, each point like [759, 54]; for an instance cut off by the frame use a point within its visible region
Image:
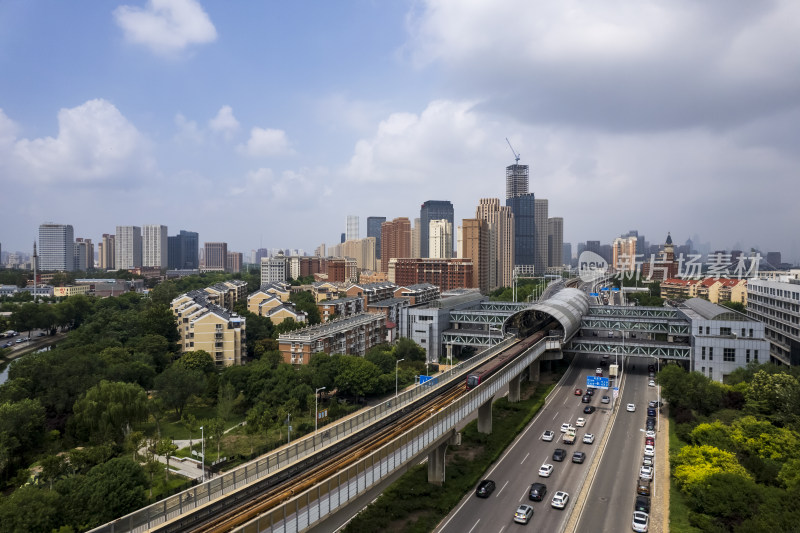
[547, 436]
[20, 341]
[578, 457]
[652, 403]
[545, 470]
[578, 392]
[648, 461]
[605, 399]
[589, 409]
[590, 391]
[631, 407]
[40, 334]
[560, 499]
[537, 492]
[642, 504]
[559, 454]
[640, 521]
[650, 424]
[643, 487]
[565, 427]
[649, 450]
[605, 356]
[598, 372]
[651, 411]
[580, 422]
[523, 514]
[646, 472]
[650, 440]
[588, 438]
[586, 398]
[485, 488]
[650, 433]
[651, 383]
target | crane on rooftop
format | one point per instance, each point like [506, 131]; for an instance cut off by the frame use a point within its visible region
[516, 155]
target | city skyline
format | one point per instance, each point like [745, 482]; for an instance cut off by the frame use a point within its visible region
[175, 113]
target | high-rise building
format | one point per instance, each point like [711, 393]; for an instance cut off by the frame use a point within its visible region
[155, 246]
[475, 239]
[56, 247]
[523, 207]
[624, 254]
[374, 230]
[555, 242]
[216, 254]
[107, 252]
[352, 228]
[516, 180]
[362, 250]
[501, 231]
[273, 269]
[567, 252]
[774, 302]
[540, 258]
[415, 236]
[447, 274]
[441, 239]
[395, 241]
[184, 250]
[432, 210]
[128, 247]
[234, 263]
[84, 254]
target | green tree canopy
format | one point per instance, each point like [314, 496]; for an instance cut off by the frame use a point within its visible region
[176, 385]
[197, 360]
[357, 376]
[109, 409]
[693, 464]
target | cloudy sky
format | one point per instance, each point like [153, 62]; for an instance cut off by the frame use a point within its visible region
[266, 123]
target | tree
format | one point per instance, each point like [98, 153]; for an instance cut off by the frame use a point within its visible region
[714, 434]
[191, 424]
[726, 496]
[197, 360]
[109, 409]
[259, 419]
[357, 376]
[53, 467]
[409, 350]
[773, 393]
[176, 385]
[135, 440]
[216, 430]
[30, 508]
[693, 464]
[166, 448]
[21, 431]
[226, 401]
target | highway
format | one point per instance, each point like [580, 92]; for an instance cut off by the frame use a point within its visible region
[518, 467]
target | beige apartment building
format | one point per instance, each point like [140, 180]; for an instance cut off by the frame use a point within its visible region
[206, 326]
[501, 239]
[352, 336]
[272, 301]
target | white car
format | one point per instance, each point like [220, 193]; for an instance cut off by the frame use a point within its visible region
[545, 470]
[647, 461]
[650, 433]
[566, 427]
[646, 472]
[547, 436]
[588, 438]
[631, 407]
[560, 499]
[580, 422]
[652, 383]
[649, 450]
[640, 521]
[605, 399]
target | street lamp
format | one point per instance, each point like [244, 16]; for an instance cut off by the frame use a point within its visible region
[396, 365]
[203, 454]
[316, 409]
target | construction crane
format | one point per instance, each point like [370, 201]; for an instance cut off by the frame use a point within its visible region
[516, 155]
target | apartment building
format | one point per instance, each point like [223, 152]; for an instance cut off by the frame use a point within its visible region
[340, 307]
[227, 293]
[447, 274]
[352, 336]
[776, 303]
[205, 326]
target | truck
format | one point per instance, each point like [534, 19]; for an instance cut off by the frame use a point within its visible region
[569, 436]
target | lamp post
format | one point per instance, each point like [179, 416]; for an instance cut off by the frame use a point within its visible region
[316, 408]
[203, 454]
[396, 366]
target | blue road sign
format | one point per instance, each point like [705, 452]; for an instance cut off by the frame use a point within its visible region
[615, 289]
[428, 379]
[594, 294]
[597, 382]
[604, 289]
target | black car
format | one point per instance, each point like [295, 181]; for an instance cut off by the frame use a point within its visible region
[642, 504]
[603, 362]
[651, 411]
[559, 454]
[538, 490]
[650, 424]
[578, 457]
[589, 409]
[586, 398]
[485, 488]
[590, 391]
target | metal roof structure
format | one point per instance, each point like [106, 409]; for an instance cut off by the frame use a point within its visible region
[567, 306]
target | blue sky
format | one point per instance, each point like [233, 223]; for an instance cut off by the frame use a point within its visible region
[266, 123]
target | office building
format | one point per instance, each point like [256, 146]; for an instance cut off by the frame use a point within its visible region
[476, 242]
[56, 247]
[216, 256]
[374, 230]
[555, 242]
[84, 254]
[155, 246]
[273, 269]
[776, 303]
[395, 241]
[566, 249]
[352, 228]
[516, 180]
[204, 325]
[541, 260]
[447, 274]
[183, 251]
[363, 251]
[441, 239]
[523, 208]
[343, 269]
[432, 210]
[234, 262]
[128, 247]
[415, 236]
[106, 252]
[501, 231]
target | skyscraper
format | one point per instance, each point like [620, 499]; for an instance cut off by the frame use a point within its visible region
[516, 180]
[415, 233]
[352, 228]
[501, 230]
[128, 247]
[432, 210]
[107, 249]
[216, 254]
[56, 247]
[84, 254]
[441, 239]
[155, 246]
[523, 207]
[396, 241]
[374, 230]
[540, 259]
[555, 242]
[475, 241]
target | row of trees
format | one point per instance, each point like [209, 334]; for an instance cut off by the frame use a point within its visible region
[741, 464]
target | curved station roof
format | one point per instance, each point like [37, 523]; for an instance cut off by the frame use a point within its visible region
[567, 306]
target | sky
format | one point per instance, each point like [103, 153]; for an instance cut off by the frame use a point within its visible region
[264, 124]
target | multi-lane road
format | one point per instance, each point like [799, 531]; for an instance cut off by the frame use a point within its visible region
[611, 487]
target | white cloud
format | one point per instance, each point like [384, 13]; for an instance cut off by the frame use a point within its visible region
[166, 26]
[188, 130]
[265, 142]
[264, 185]
[8, 130]
[95, 144]
[224, 123]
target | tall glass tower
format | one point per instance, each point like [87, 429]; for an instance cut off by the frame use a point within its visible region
[432, 210]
